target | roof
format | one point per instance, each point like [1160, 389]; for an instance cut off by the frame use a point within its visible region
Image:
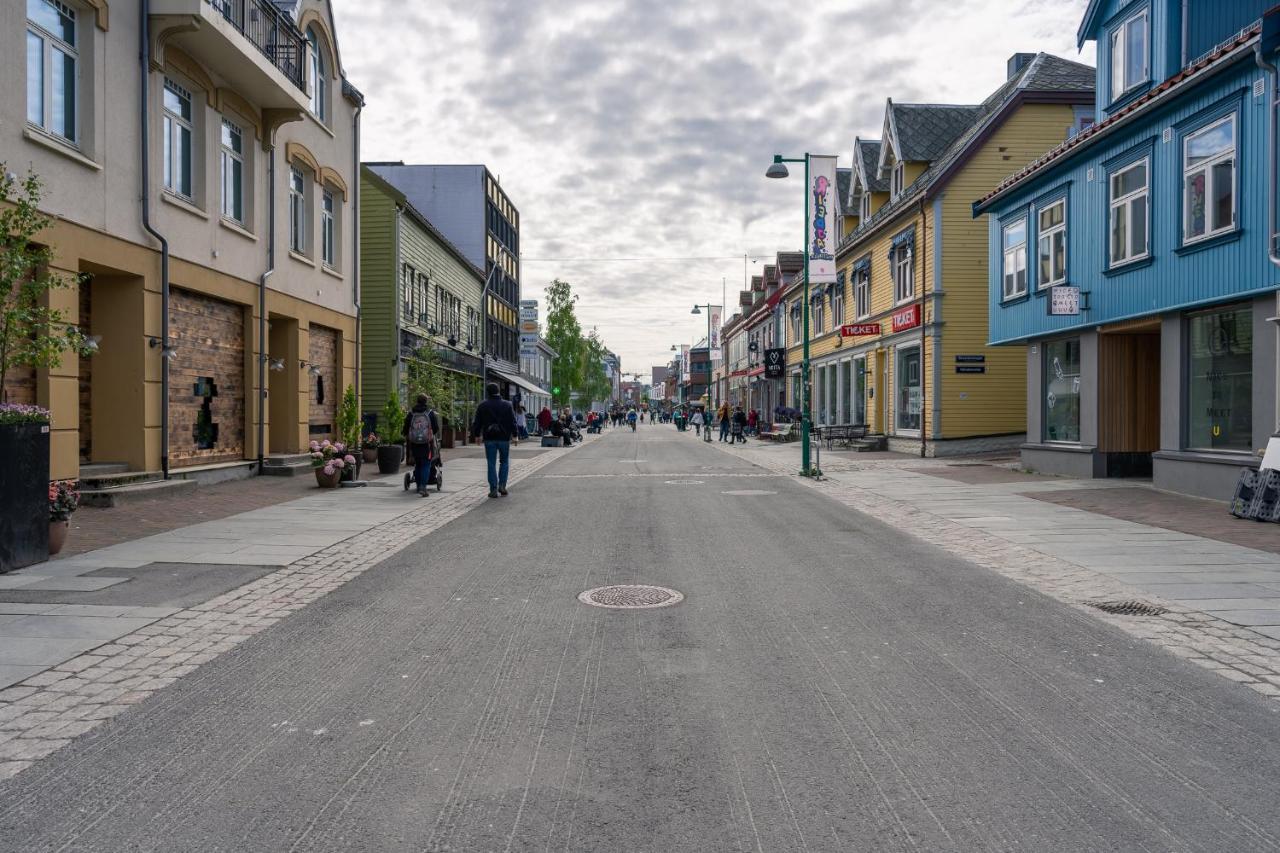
[923, 132]
[1044, 77]
[866, 156]
[844, 177]
[1222, 55]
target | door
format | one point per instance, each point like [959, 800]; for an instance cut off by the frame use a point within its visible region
[909, 397]
[860, 391]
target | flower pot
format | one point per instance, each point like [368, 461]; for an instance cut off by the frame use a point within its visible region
[370, 454]
[389, 458]
[24, 496]
[327, 481]
[350, 473]
[57, 535]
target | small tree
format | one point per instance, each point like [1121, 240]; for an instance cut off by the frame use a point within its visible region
[31, 333]
[392, 420]
[349, 419]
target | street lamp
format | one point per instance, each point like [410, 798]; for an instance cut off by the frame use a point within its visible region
[697, 309]
[778, 169]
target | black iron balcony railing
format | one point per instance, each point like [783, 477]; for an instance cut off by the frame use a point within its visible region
[271, 31]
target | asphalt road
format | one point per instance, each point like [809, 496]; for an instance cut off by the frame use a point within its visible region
[827, 684]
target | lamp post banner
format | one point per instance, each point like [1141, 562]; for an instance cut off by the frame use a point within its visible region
[684, 362]
[717, 311]
[821, 237]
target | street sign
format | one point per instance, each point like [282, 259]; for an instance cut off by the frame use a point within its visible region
[529, 303]
[971, 368]
[970, 359]
[1064, 300]
[529, 327]
[775, 363]
[852, 330]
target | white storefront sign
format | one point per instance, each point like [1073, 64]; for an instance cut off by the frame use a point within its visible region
[1064, 300]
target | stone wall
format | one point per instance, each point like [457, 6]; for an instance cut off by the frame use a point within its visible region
[324, 390]
[206, 380]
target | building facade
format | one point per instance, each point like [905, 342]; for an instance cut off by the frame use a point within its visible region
[899, 341]
[537, 369]
[167, 146]
[1132, 261]
[469, 206]
[419, 295]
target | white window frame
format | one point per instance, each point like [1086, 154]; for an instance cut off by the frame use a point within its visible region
[1119, 55]
[904, 279]
[1126, 203]
[1044, 237]
[51, 44]
[299, 239]
[228, 159]
[1014, 260]
[328, 229]
[175, 126]
[837, 306]
[816, 314]
[898, 179]
[864, 206]
[862, 293]
[319, 80]
[797, 324]
[1207, 168]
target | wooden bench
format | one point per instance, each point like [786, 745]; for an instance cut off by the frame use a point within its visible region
[779, 432]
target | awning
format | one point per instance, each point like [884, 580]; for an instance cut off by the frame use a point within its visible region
[520, 382]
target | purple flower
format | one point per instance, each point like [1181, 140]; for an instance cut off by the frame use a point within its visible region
[339, 464]
[349, 459]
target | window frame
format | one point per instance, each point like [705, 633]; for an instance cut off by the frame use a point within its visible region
[1189, 398]
[1118, 37]
[862, 292]
[172, 125]
[837, 306]
[1042, 234]
[903, 271]
[299, 240]
[228, 156]
[1019, 221]
[1231, 154]
[864, 207]
[51, 43]
[898, 179]
[328, 228]
[1045, 381]
[318, 104]
[1125, 202]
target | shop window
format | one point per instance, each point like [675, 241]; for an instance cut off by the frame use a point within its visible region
[1061, 385]
[910, 395]
[1220, 378]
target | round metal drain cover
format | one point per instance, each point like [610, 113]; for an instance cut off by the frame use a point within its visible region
[630, 596]
[684, 482]
[745, 492]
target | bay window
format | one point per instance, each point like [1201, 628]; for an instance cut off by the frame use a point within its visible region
[1209, 180]
[1129, 214]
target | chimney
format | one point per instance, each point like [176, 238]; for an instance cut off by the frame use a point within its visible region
[1017, 62]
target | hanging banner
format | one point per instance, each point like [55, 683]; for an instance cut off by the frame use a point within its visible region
[684, 362]
[717, 311]
[821, 237]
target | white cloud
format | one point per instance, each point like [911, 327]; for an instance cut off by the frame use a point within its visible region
[642, 129]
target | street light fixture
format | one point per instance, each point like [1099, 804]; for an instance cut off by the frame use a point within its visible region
[778, 169]
[697, 309]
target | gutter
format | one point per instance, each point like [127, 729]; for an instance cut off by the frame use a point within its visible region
[144, 61]
[262, 297]
[1270, 37]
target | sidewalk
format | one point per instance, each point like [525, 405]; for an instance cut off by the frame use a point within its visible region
[1084, 542]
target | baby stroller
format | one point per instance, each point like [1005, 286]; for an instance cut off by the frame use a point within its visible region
[436, 478]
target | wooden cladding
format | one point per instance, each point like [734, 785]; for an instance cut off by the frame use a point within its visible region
[1129, 393]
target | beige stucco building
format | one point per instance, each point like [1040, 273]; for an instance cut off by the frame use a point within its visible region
[203, 308]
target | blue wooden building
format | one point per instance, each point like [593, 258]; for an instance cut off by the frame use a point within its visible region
[1137, 260]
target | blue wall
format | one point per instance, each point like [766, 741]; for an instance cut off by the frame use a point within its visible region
[451, 197]
[1211, 22]
[1176, 277]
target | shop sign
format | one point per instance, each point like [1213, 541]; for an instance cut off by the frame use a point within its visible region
[906, 318]
[970, 359]
[529, 303]
[853, 330]
[775, 363]
[529, 327]
[528, 340]
[1064, 300]
[971, 368]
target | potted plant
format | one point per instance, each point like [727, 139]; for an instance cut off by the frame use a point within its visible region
[349, 430]
[391, 454]
[63, 500]
[369, 447]
[331, 463]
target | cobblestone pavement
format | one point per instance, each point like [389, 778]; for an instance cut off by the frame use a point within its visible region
[1240, 654]
[45, 712]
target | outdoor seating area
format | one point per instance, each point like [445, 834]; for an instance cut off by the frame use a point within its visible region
[844, 433]
[780, 432]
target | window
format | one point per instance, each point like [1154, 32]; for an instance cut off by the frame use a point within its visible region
[1128, 210]
[904, 282]
[817, 303]
[909, 391]
[319, 78]
[1062, 390]
[837, 305]
[1220, 379]
[297, 211]
[862, 292]
[864, 206]
[1014, 267]
[52, 68]
[231, 155]
[328, 248]
[795, 322]
[1129, 54]
[1053, 243]
[1209, 180]
[407, 275]
[898, 179]
[177, 139]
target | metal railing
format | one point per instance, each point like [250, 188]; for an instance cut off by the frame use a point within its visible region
[271, 31]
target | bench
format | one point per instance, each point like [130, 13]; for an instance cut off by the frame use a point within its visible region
[846, 433]
[779, 432]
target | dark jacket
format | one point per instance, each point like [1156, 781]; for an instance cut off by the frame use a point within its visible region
[435, 423]
[494, 410]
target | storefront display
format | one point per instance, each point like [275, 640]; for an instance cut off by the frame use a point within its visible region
[1062, 390]
[1220, 380]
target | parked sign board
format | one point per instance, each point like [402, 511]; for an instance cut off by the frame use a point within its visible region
[1064, 300]
[906, 318]
[853, 330]
[775, 363]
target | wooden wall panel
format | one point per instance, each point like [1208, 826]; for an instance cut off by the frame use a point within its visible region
[1129, 393]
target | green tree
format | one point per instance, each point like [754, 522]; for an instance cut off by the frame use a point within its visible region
[564, 335]
[595, 383]
[349, 419]
[31, 333]
[392, 420]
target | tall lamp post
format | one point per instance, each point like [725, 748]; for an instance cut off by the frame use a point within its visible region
[779, 170]
[697, 309]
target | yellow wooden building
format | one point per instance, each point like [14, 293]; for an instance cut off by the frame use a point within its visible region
[899, 342]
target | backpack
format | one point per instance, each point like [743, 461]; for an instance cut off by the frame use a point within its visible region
[420, 431]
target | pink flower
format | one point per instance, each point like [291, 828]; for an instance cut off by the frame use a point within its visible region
[326, 443]
[339, 447]
[329, 470]
[317, 455]
[315, 445]
[339, 464]
[349, 459]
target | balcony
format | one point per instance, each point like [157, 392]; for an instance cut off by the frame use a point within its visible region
[251, 44]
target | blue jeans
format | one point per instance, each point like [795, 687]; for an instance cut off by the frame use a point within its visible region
[493, 450]
[724, 429]
[421, 466]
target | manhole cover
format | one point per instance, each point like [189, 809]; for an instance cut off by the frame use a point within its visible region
[745, 492]
[1129, 608]
[684, 482]
[631, 596]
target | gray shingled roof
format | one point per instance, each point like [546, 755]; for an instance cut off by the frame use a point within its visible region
[844, 177]
[925, 131]
[869, 151]
[1045, 73]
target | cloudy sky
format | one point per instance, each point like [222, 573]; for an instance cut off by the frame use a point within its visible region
[641, 128]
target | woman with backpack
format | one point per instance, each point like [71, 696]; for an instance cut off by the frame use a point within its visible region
[421, 427]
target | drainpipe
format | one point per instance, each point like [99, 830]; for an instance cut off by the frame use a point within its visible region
[262, 297]
[924, 283]
[1273, 123]
[144, 62]
[355, 247]
[398, 277]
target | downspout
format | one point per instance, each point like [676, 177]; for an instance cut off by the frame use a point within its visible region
[397, 309]
[355, 246]
[924, 283]
[262, 296]
[144, 28]
[1273, 123]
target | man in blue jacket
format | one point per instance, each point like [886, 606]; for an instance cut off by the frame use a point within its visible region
[495, 424]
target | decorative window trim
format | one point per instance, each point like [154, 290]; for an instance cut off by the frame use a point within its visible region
[228, 156]
[172, 124]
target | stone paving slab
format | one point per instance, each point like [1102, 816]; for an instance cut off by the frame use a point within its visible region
[72, 584]
[1198, 591]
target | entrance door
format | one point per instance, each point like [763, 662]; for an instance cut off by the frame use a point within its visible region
[859, 391]
[1129, 400]
[908, 385]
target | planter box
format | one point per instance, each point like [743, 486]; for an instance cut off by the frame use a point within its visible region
[389, 458]
[24, 496]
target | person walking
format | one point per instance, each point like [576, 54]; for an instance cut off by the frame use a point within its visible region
[722, 415]
[753, 421]
[495, 423]
[697, 421]
[544, 420]
[739, 425]
[421, 430]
